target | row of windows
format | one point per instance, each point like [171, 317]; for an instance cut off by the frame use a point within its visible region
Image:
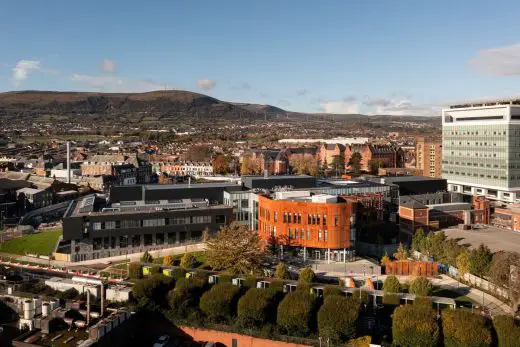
[156, 222]
[472, 133]
[99, 243]
[481, 175]
[299, 234]
[496, 166]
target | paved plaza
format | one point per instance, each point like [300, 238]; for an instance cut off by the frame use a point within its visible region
[496, 239]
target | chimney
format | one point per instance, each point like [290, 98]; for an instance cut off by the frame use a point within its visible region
[68, 162]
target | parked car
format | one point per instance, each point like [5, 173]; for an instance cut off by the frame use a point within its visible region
[162, 341]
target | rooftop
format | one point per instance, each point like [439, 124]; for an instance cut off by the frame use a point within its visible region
[488, 102]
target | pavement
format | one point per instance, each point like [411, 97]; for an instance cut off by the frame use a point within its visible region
[497, 239]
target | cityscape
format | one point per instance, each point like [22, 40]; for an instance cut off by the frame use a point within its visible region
[260, 174]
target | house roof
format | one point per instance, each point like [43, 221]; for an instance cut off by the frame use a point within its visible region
[413, 204]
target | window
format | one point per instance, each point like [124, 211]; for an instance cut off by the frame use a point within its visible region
[179, 220]
[244, 203]
[336, 221]
[319, 235]
[318, 219]
[290, 234]
[202, 219]
[220, 219]
[295, 218]
[234, 343]
[290, 217]
[153, 222]
[274, 231]
[302, 234]
[324, 219]
[325, 235]
[309, 221]
[295, 234]
[299, 218]
[285, 217]
[308, 234]
[275, 216]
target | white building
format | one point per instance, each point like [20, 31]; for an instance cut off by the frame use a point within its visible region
[481, 149]
[341, 140]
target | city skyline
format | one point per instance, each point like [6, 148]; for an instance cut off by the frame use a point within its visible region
[395, 59]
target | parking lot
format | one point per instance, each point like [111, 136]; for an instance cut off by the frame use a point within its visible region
[496, 239]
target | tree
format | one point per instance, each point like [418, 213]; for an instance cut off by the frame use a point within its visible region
[355, 162]
[337, 318]
[332, 290]
[235, 249]
[503, 270]
[304, 164]
[282, 272]
[374, 165]
[418, 240]
[508, 332]
[219, 303]
[306, 276]
[338, 163]
[295, 313]
[151, 292]
[391, 285]
[257, 307]
[464, 328]
[146, 257]
[385, 259]
[184, 298]
[135, 270]
[402, 253]
[480, 260]
[420, 286]
[414, 326]
[250, 166]
[221, 165]
[168, 260]
[463, 262]
[188, 261]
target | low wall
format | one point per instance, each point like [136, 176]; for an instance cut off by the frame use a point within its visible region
[414, 268]
[232, 339]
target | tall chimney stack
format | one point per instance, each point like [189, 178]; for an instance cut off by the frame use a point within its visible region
[68, 162]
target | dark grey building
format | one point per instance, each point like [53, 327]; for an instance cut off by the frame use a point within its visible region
[97, 230]
[270, 182]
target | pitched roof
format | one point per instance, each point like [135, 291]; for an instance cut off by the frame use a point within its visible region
[413, 204]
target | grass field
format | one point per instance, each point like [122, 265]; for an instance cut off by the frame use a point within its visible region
[459, 299]
[40, 243]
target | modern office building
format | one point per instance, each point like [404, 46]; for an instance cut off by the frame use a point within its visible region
[481, 149]
[428, 155]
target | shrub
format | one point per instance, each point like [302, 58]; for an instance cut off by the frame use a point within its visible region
[155, 270]
[337, 318]
[135, 270]
[68, 294]
[147, 257]
[225, 278]
[361, 296]
[295, 313]
[421, 286]
[219, 303]
[184, 298]
[276, 286]
[415, 326]
[257, 307]
[178, 273]
[306, 276]
[250, 282]
[423, 301]
[188, 261]
[332, 290]
[508, 332]
[168, 260]
[151, 292]
[391, 285]
[282, 272]
[391, 299]
[463, 328]
[363, 341]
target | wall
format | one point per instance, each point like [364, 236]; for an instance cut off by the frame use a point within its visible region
[225, 338]
[415, 268]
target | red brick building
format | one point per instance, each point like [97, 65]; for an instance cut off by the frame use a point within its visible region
[383, 155]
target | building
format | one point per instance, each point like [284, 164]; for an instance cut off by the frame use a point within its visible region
[379, 155]
[37, 198]
[123, 169]
[399, 171]
[428, 154]
[481, 149]
[320, 225]
[332, 155]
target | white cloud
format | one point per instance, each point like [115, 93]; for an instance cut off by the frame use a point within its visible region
[340, 106]
[22, 70]
[108, 66]
[500, 61]
[118, 84]
[402, 108]
[206, 84]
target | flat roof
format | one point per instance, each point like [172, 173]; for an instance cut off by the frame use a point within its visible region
[280, 177]
[497, 239]
[185, 185]
[515, 100]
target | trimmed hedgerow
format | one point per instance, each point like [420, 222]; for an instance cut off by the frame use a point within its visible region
[257, 307]
[463, 328]
[306, 276]
[296, 312]
[219, 303]
[391, 285]
[508, 331]
[338, 317]
[391, 299]
[421, 286]
[332, 290]
[184, 298]
[423, 301]
[414, 326]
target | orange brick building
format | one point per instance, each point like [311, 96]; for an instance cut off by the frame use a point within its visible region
[321, 224]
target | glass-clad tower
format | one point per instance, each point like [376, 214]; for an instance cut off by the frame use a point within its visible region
[481, 149]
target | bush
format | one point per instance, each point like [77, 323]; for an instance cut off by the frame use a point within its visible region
[257, 307]
[69, 294]
[363, 341]
[391, 299]
[282, 272]
[154, 270]
[151, 292]
[225, 278]
[295, 313]
[168, 260]
[219, 303]
[337, 318]
[391, 285]
[508, 332]
[135, 270]
[184, 298]
[178, 273]
[423, 301]
[306, 276]
[332, 290]
[188, 261]
[414, 326]
[250, 282]
[147, 257]
[361, 296]
[463, 328]
[276, 286]
[421, 286]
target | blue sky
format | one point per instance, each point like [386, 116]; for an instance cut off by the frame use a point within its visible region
[392, 57]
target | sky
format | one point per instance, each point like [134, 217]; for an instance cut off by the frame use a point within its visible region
[403, 57]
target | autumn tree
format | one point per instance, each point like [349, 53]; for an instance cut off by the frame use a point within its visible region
[168, 260]
[235, 249]
[250, 166]
[221, 165]
[504, 268]
[480, 260]
[402, 252]
[355, 162]
[418, 240]
[282, 272]
[338, 164]
[463, 262]
[374, 165]
[385, 259]
[304, 164]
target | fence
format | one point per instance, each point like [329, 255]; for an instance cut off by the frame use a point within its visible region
[407, 267]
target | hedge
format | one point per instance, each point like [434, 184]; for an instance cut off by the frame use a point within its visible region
[178, 273]
[276, 285]
[219, 303]
[184, 298]
[331, 290]
[295, 313]
[151, 292]
[135, 270]
[414, 326]
[391, 285]
[421, 286]
[257, 307]
[362, 297]
[423, 301]
[281, 272]
[463, 328]
[391, 299]
[188, 261]
[338, 317]
[155, 269]
[250, 282]
[508, 331]
[306, 276]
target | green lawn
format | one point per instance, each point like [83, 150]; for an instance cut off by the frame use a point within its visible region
[459, 299]
[40, 243]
